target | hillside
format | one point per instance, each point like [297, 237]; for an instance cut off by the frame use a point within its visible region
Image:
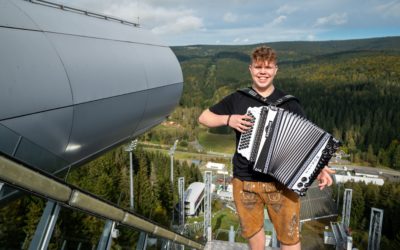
[350, 88]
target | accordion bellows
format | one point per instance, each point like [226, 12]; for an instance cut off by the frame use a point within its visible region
[286, 146]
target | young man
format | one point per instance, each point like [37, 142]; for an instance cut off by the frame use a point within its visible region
[252, 191]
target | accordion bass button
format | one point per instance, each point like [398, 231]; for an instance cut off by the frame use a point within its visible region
[304, 179]
[300, 184]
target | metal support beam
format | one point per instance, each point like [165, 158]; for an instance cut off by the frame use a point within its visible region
[375, 229]
[181, 191]
[105, 239]
[45, 228]
[142, 243]
[207, 205]
[346, 208]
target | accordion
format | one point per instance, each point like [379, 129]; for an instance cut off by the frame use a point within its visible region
[286, 146]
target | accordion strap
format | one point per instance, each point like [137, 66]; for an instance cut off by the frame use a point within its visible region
[252, 93]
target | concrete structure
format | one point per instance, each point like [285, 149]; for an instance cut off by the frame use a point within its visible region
[339, 178]
[215, 166]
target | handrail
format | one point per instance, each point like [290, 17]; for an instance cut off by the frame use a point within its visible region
[84, 12]
[38, 182]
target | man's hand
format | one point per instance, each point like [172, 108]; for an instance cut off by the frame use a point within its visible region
[240, 122]
[324, 178]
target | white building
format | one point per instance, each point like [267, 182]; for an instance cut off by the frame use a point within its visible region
[356, 178]
[194, 196]
[225, 195]
[215, 166]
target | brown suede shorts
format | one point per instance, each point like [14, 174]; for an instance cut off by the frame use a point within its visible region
[283, 207]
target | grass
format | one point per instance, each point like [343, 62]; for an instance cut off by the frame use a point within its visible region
[217, 142]
[312, 235]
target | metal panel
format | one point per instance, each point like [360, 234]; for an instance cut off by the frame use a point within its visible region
[157, 74]
[9, 140]
[68, 22]
[98, 125]
[161, 103]
[39, 157]
[98, 68]
[81, 86]
[12, 16]
[30, 70]
[50, 129]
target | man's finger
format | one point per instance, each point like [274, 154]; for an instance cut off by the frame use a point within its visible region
[328, 170]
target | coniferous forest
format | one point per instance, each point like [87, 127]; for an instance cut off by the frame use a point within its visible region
[108, 178]
[349, 88]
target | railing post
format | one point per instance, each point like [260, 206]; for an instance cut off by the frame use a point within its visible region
[45, 228]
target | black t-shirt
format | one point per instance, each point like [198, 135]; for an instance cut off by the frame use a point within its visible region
[237, 103]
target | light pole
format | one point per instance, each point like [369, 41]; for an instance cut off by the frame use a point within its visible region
[171, 153]
[129, 149]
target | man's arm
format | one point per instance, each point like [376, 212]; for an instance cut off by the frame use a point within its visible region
[211, 120]
[239, 122]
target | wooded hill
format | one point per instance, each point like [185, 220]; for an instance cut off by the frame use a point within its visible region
[350, 88]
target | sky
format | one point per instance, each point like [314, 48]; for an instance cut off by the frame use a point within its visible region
[240, 22]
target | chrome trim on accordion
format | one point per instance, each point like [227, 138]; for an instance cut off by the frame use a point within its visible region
[286, 146]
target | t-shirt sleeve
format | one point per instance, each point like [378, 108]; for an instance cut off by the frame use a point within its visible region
[223, 107]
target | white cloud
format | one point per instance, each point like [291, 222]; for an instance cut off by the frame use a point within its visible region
[311, 37]
[286, 9]
[391, 9]
[278, 20]
[180, 25]
[160, 20]
[209, 21]
[238, 40]
[334, 19]
[229, 17]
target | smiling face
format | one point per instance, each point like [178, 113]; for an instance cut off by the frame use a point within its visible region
[263, 74]
[263, 70]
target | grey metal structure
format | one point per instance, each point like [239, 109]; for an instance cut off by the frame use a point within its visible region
[181, 191]
[346, 208]
[375, 229]
[45, 229]
[129, 149]
[75, 84]
[207, 205]
[171, 154]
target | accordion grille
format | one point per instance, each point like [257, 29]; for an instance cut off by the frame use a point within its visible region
[293, 139]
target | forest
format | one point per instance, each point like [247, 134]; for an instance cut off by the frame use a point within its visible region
[349, 88]
[365, 197]
[108, 178]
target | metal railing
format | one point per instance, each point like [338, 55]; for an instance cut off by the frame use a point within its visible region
[84, 12]
[40, 183]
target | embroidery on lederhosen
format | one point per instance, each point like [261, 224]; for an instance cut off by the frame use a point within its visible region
[248, 199]
[293, 227]
[248, 195]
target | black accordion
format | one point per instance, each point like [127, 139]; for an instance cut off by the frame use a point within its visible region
[286, 146]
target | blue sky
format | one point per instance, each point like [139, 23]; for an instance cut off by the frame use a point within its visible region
[235, 22]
